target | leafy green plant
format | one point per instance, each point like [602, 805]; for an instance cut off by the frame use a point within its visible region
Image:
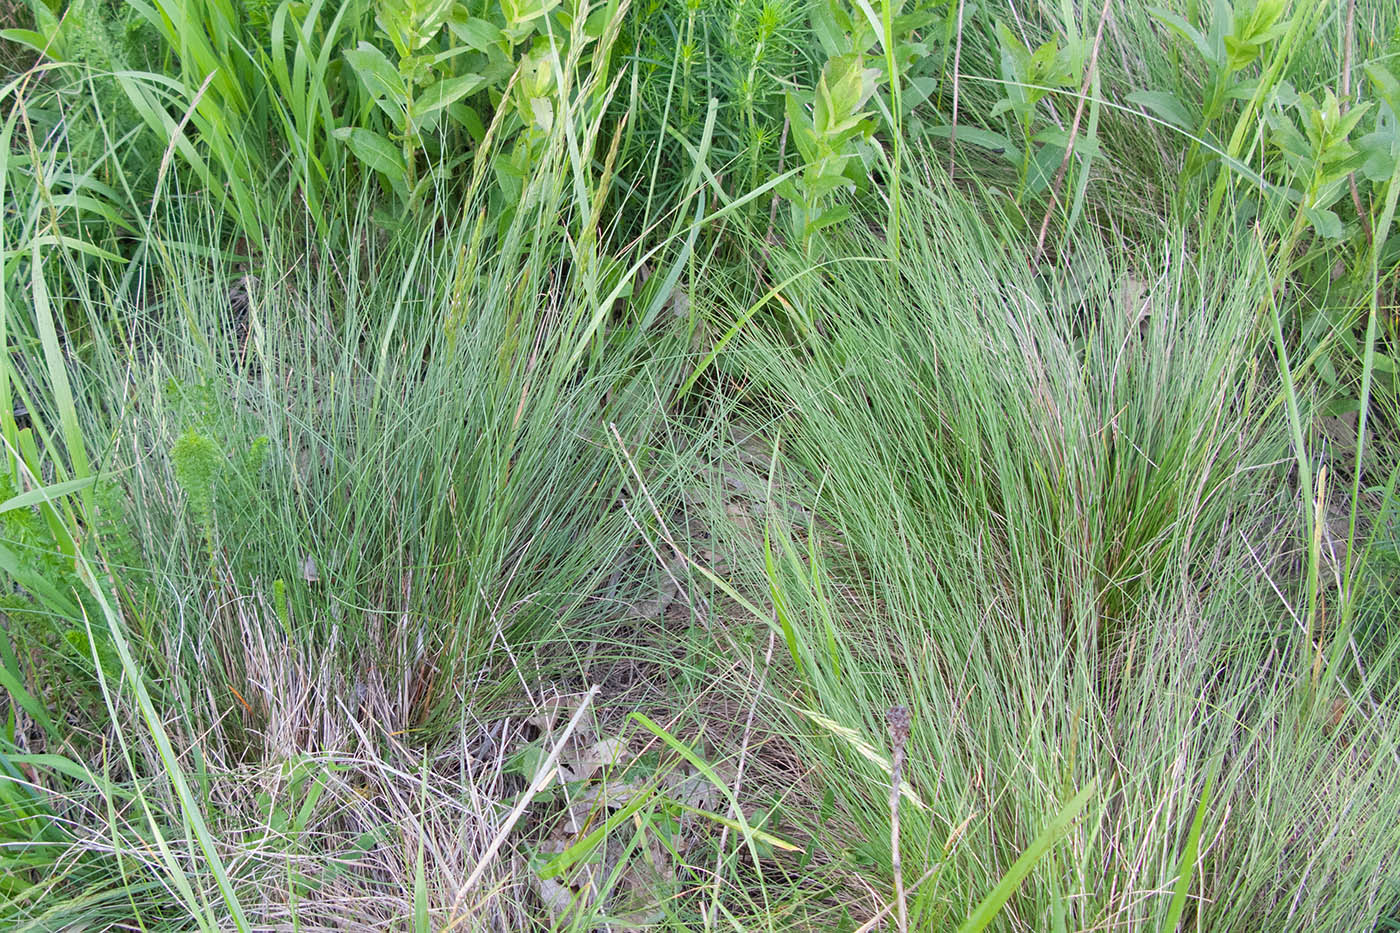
[415, 93]
[1323, 152]
[198, 463]
[1313, 168]
[832, 140]
[1235, 39]
[742, 54]
[213, 462]
[33, 554]
[1027, 77]
[64, 167]
[464, 68]
[1321, 157]
[868, 62]
[45, 602]
[105, 35]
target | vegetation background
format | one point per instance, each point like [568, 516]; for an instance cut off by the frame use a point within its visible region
[699, 465]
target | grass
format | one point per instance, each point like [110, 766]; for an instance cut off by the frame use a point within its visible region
[1047, 517]
[643, 524]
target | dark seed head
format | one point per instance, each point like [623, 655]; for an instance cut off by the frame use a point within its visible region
[898, 721]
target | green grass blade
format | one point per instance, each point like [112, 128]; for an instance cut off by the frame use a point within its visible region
[699, 764]
[1188, 857]
[57, 371]
[992, 904]
[45, 494]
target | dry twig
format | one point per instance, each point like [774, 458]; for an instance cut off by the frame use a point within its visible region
[898, 721]
[957, 63]
[1073, 132]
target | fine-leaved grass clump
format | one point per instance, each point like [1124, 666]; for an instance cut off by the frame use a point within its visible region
[699, 465]
[1049, 517]
[360, 481]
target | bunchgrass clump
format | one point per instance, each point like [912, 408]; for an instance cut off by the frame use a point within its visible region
[724, 465]
[1053, 515]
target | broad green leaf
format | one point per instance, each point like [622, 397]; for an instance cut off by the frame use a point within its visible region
[985, 139]
[919, 90]
[1264, 17]
[826, 218]
[470, 119]
[850, 86]
[827, 177]
[427, 22]
[1327, 224]
[375, 151]
[523, 13]
[1012, 46]
[1285, 93]
[1387, 85]
[73, 243]
[46, 493]
[542, 113]
[801, 129]
[30, 38]
[1240, 53]
[444, 93]
[1164, 105]
[373, 68]
[1181, 27]
[597, 22]
[1045, 161]
[479, 34]
[1380, 153]
[1346, 122]
[28, 702]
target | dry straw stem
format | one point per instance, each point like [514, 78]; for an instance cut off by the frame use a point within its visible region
[884, 912]
[1073, 132]
[542, 778]
[957, 86]
[756, 691]
[898, 720]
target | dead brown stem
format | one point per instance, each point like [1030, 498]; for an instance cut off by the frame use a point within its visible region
[1073, 132]
[898, 721]
[957, 63]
